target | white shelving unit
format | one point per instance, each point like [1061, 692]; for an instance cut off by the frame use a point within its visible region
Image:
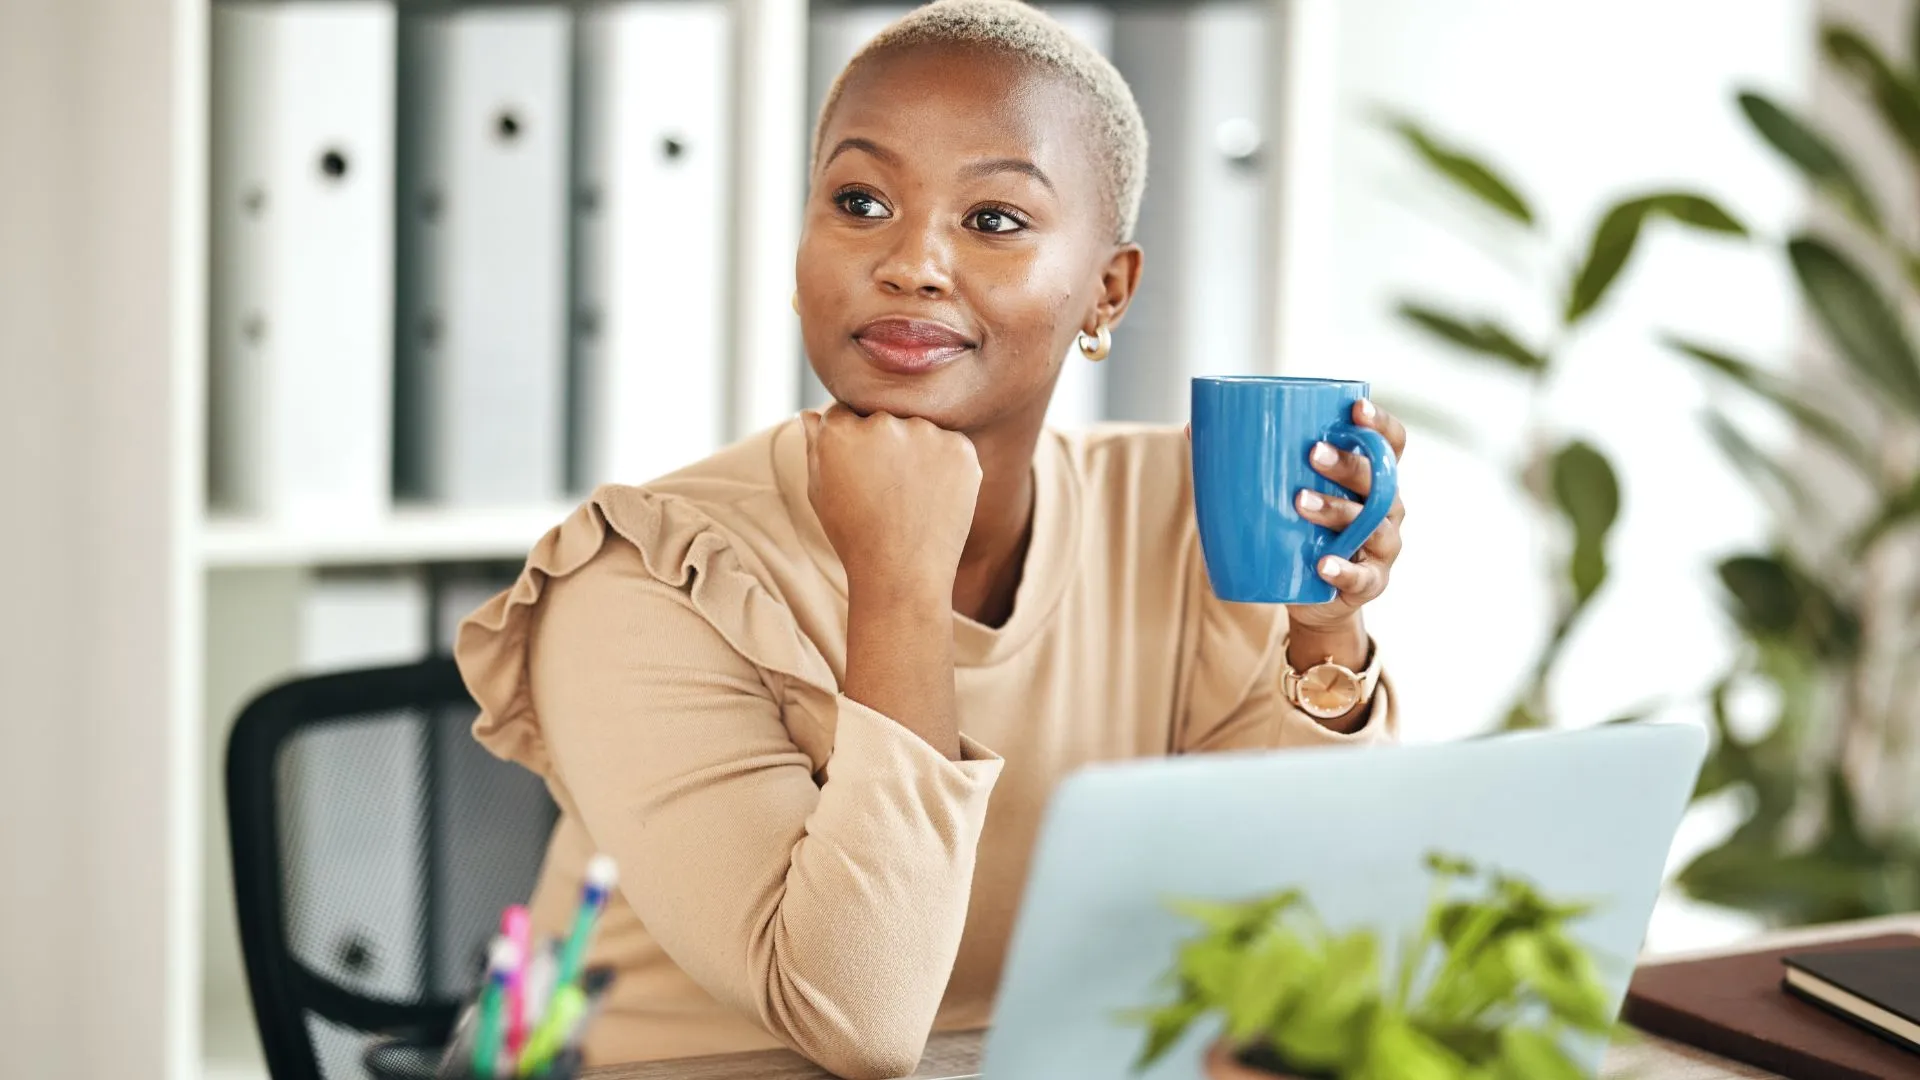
[195, 605]
[408, 535]
[248, 575]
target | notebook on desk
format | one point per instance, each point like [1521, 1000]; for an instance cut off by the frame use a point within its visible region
[1735, 1006]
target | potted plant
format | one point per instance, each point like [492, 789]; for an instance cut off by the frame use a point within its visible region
[1488, 989]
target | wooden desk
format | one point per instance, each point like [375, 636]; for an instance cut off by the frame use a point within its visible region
[958, 1054]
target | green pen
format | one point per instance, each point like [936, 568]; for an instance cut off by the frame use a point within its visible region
[502, 958]
[601, 877]
[564, 1022]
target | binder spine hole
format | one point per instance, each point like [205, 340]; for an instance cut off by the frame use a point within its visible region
[254, 202]
[672, 147]
[588, 199]
[586, 323]
[253, 328]
[430, 329]
[507, 127]
[430, 206]
[333, 165]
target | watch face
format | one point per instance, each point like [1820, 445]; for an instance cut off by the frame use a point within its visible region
[1328, 691]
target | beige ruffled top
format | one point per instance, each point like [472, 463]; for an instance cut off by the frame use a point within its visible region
[796, 868]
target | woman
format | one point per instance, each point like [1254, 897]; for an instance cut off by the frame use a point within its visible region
[813, 693]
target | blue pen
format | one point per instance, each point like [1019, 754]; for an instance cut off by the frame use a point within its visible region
[601, 877]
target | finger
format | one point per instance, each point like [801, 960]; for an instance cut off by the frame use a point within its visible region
[1339, 515]
[1189, 430]
[1349, 470]
[1384, 545]
[1367, 414]
[1327, 511]
[1359, 583]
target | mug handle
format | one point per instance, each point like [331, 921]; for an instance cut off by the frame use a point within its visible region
[1386, 486]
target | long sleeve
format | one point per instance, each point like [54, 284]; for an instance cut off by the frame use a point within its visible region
[829, 907]
[1234, 702]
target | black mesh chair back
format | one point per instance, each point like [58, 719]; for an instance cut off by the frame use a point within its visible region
[374, 846]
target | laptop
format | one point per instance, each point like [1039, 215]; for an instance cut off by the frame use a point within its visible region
[1586, 814]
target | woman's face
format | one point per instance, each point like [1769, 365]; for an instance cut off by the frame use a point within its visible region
[956, 239]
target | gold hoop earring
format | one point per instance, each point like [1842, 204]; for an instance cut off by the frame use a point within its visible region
[1097, 347]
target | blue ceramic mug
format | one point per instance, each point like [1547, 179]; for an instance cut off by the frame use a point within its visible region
[1251, 438]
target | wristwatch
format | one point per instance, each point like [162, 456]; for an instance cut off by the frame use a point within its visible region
[1329, 691]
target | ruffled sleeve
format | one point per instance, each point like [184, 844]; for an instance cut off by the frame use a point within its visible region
[643, 667]
[678, 546]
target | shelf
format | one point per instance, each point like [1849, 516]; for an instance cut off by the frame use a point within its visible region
[407, 535]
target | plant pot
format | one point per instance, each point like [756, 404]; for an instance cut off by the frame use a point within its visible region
[1223, 1065]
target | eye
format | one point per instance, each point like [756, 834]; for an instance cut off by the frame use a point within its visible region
[992, 219]
[861, 204]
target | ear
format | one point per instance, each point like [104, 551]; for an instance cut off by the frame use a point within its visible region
[1118, 280]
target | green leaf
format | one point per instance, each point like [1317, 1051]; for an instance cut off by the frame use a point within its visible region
[1267, 984]
[1614, 239]
[1816, 158]
[1395, 1048]
[1480, 336]
[1760, 469]
[1799, 889]
[1695, 211]
[1588, 494]
[1164, 1029]
[1815, 422]
[1607, 254]
[1467, 173]
[1535, 1055]
[1893, 92]
[1858, 320]
[1585, 488]
[1775, 600]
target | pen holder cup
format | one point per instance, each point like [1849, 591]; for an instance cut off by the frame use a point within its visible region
[399, 1058]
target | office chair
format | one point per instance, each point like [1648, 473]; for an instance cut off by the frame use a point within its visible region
[374, 845]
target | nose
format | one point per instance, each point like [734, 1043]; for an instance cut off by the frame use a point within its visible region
[917, 260]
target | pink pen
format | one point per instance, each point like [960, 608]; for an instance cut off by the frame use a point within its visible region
[515, 927]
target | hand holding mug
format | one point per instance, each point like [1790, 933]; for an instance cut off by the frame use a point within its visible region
[1296, 488]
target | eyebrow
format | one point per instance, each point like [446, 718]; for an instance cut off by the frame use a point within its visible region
[1013, 165]
[868, 145]
[972, 172]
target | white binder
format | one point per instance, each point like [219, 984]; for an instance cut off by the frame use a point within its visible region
[652, 238]
[1199, 74]
[485, 128]
[836, 34]
[301, 331]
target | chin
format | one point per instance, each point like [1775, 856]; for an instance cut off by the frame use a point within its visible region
[928, 397]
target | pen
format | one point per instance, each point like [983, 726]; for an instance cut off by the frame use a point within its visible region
[540, 973]
[501, 960]
[566, 1019]
[601, 875]
[514, 926]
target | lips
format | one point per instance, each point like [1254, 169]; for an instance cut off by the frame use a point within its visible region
[910, 346]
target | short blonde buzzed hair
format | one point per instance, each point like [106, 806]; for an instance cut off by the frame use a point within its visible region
[1030, 35]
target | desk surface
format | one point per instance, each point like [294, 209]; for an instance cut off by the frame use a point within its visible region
[957, 1054]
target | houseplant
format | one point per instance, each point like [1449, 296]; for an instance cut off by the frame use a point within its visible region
[1488, 987]
[1567, 481]
[1828, 778]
